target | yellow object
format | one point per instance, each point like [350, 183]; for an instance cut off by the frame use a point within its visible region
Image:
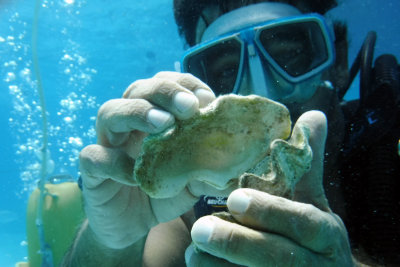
[22, 264]
[62, 215]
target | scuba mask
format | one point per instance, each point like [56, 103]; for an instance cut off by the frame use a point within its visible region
[270, 45]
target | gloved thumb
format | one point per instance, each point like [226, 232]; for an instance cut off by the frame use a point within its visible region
[310, 188]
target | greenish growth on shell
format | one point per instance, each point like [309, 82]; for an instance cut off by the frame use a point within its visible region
[286, 163]
[226, 139]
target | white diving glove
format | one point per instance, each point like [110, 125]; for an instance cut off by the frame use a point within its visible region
[276, 231]
[119, 213]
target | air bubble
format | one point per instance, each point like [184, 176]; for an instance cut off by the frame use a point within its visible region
[75, 141]
[25, 73]
[67, 57]
[69, 124]
[10, 77]
[81, 60]
[91, 132]
[11, 63]
[14, 90]
[68, 119]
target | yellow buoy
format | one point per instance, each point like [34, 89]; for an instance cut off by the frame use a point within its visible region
[62, 215]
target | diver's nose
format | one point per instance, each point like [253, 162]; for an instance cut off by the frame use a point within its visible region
[260, 78]
[254, 80]
[256, 71]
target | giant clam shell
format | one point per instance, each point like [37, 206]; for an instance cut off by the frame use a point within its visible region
[219, 144]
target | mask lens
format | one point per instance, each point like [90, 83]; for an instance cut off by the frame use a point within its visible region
[217, 64]
[297, 48]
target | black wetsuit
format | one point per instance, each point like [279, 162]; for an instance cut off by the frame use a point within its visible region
[370, 170]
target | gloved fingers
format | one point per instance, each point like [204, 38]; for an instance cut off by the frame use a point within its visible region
[118, 214]
[117, 118]
[166, 209]
[310, 187]
[303, 223]
[190, 82]
[98, 163]
[166, 94]
[245, 246]
[196, 258]
[105, 170]
[180, 94]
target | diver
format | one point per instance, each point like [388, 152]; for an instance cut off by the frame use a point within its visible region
[343, 213]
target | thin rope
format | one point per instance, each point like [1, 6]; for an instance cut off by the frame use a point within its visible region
[45, 251]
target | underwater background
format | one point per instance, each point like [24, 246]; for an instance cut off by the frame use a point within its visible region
[88, 53]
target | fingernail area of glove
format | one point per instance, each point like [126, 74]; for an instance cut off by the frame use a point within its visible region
[160, 119]
[202, 230]
[238, 202]
[205, 97]
[186, 103]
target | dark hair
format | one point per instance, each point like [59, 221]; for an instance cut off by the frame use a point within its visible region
[187, 12]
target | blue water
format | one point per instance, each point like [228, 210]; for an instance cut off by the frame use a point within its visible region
[89, 52]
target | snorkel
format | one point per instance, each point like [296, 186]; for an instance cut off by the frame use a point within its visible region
[258, 76]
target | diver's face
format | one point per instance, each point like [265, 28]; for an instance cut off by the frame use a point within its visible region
[289, 45]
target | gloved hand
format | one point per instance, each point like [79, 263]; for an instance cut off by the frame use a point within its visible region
[275, 231]
[119, 213]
